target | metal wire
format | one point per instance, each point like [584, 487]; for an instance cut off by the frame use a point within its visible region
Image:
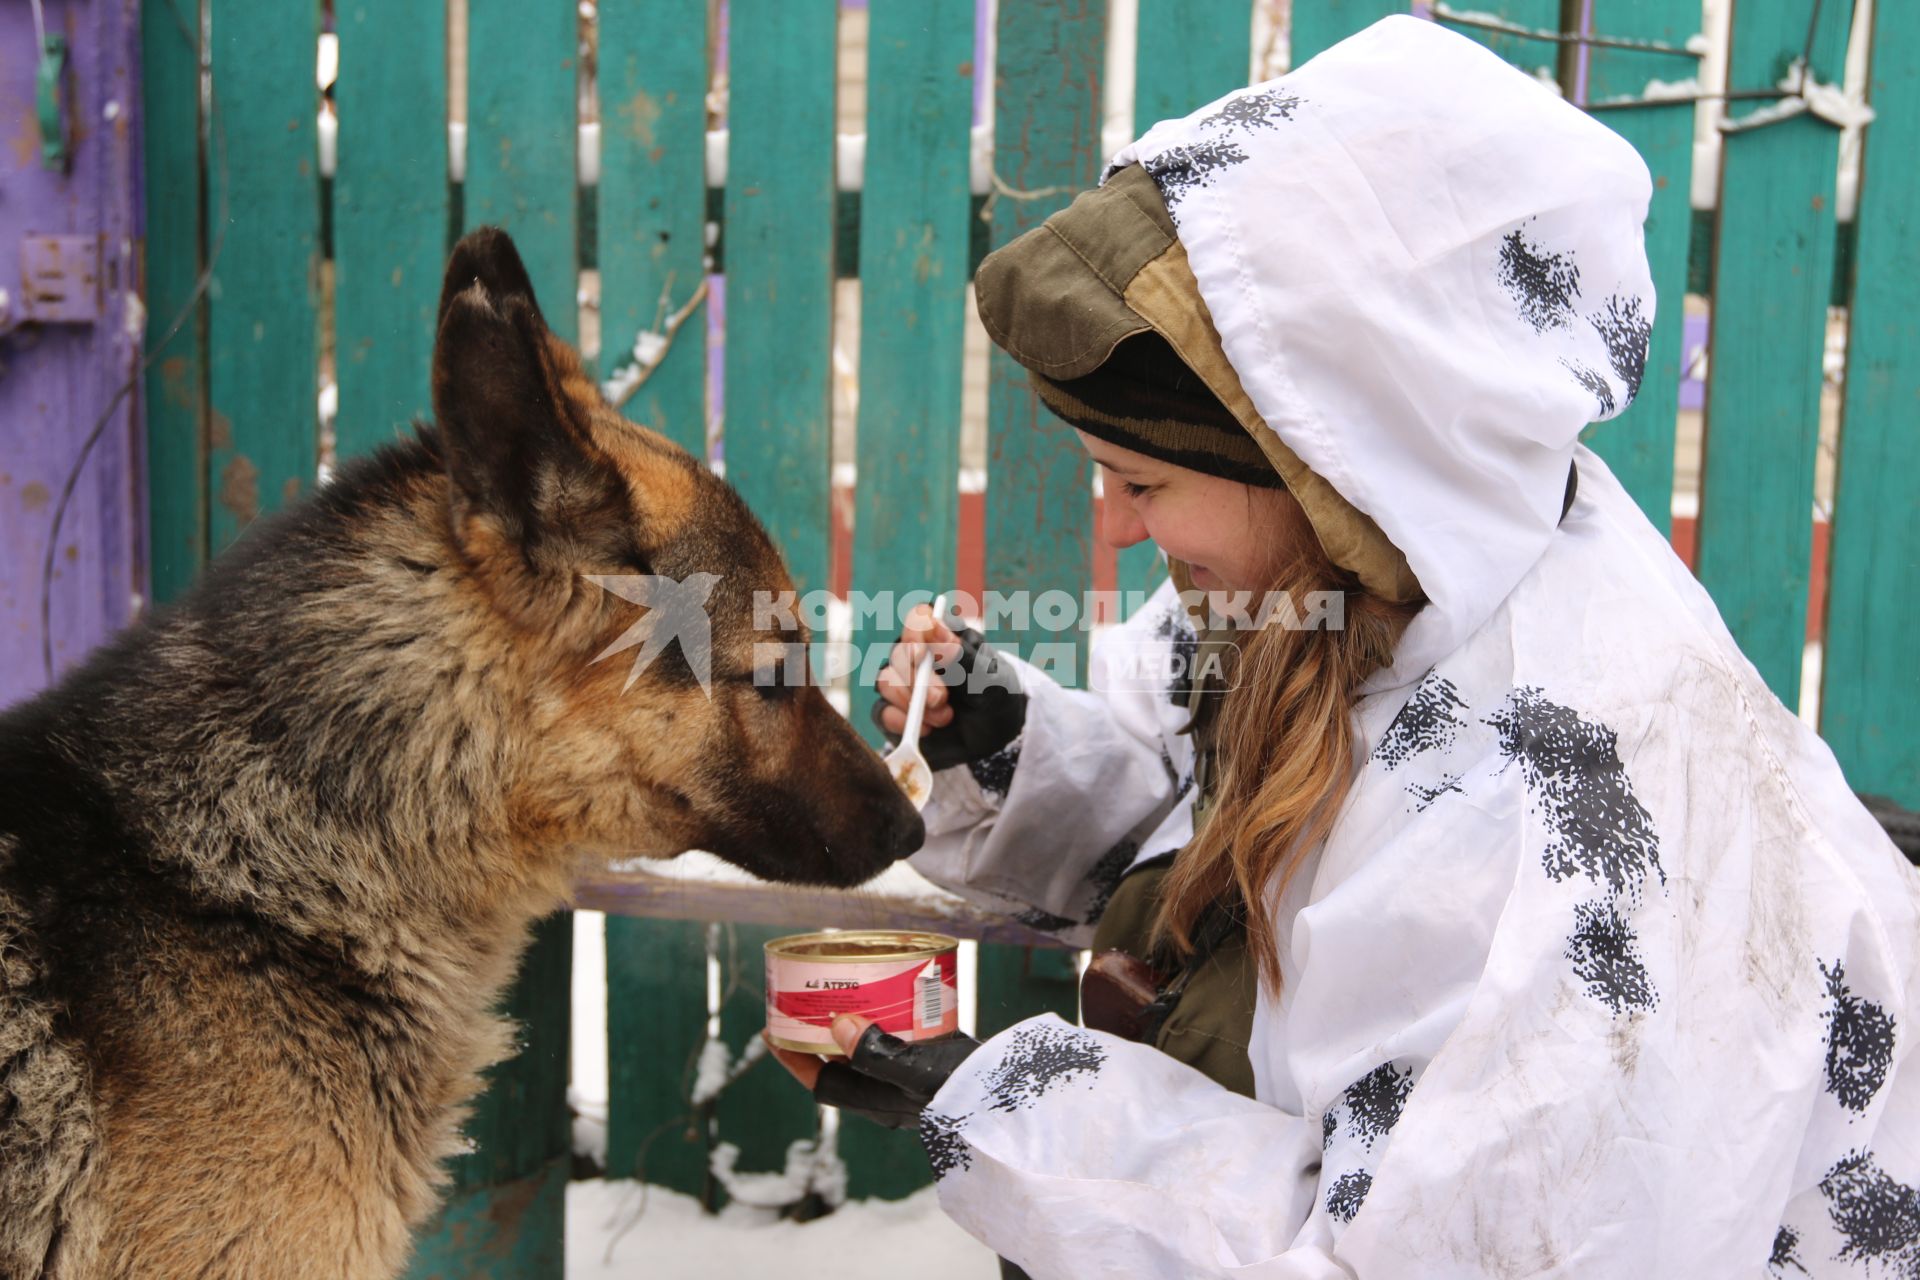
[1454, 18]
[1733, 95]
[200, 285]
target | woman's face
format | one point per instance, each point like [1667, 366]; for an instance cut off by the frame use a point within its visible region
[1235, 537]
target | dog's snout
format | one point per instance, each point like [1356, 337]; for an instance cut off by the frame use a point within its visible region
[905, 832]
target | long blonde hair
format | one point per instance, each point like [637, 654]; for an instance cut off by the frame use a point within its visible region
[1283, 752]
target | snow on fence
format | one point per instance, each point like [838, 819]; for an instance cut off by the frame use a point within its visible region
[975, 121]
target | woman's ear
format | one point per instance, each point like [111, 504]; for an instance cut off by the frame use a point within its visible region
[528, 487]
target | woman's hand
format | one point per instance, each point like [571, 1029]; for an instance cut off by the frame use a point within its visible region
[975, 706]
[895, 682]
[805, 1067]
[886, 1079]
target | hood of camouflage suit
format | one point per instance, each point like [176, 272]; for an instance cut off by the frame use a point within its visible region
[1426, 293]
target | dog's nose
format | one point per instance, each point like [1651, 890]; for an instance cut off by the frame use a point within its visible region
[905, 832]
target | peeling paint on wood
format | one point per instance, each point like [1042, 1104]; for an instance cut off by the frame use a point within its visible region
[390, 211]
[1774, 261]
[653, 205]
[1639, 444]
[780, 206]
[263, 326]
[1870, 700]
[913, 268]
[57, 379]
[653, 200]
[1039, 500]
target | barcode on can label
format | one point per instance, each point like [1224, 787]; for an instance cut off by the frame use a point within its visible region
[929, 1001]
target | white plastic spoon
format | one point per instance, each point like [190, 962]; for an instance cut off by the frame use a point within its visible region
[908, 767]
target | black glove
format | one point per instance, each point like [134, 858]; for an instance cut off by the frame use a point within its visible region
[989, 710]
[888, 1080]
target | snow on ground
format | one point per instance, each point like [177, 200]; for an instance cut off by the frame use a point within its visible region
[624, 1231]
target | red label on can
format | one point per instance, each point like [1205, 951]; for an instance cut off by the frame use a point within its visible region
[914, 999]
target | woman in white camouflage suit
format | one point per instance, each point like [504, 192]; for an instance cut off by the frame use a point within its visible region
[1564, 948]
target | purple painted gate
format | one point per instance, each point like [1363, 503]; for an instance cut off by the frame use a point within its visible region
[69, 339]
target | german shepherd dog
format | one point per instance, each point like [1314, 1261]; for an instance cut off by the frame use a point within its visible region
[269, 857]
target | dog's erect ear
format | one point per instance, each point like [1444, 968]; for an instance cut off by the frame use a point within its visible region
[486, 257]
[518, 457]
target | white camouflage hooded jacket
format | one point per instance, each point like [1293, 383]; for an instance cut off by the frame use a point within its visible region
[1602, 970]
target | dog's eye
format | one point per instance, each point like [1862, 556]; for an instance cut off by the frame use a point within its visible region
[778, 671]
[771, 683]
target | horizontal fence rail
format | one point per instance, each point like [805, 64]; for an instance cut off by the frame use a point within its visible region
[690, 159]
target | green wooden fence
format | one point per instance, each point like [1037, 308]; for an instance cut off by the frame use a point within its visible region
[233, 429]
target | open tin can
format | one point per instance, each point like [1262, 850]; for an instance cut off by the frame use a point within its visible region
[907, 982]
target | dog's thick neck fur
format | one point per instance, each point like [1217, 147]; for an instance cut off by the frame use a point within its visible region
[299, 781]
[311, 737]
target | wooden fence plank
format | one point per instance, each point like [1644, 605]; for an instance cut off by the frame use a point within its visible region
[521, 149]
[390, 210]
[520, 175]
[1319, 23]
[1774, 260]
[779, 206]
[882, 1164]
[653, 202]
[175, 394]
[263, 351]
[506, 1214]
[1023, 982]
[1639, 444]
[652, 206]
[1186, 54]
[1046, 148]
[656, 1024]
[764, 1111]
[914, 231]
[1870, 697]
[1039, 493]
